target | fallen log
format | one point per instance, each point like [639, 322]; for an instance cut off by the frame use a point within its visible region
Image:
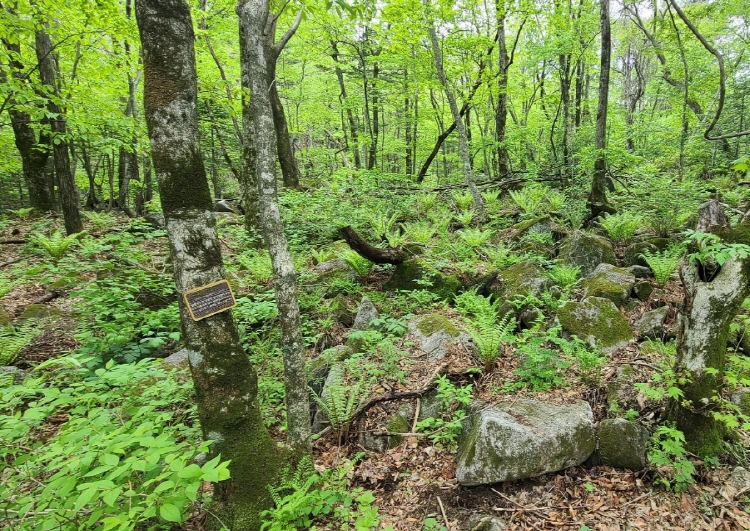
[389, 255]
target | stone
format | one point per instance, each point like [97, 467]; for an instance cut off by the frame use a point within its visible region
[642, 290]
[597, 321]
[318, 369]
[741, 399]
[178, 359]
[433, 334]
[155, 219]
[623, 444]
[640, 271]
[365, 315]
[485, 522]
[522, 279]
[10, 375]
[586, 251]
[651, 324]
[632, 255]
[737, 485]
[408, 274]
[541, 225]
[609, 282]
[398, 422]
[523, 439]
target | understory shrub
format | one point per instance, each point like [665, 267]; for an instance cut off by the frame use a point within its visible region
[109, 450]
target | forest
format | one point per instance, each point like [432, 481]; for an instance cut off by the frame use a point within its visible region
[409, 265]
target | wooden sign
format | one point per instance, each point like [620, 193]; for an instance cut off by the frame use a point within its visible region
[209, 300]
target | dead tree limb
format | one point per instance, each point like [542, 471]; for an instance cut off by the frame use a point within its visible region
[389, 255]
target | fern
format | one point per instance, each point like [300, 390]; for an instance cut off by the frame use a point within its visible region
[419, 232]
[258, 264]
[664, 263]
[489, 337]
[474, 237]
[13, 340]
[621, 227]
[564, 275]
[463, 200]
[530, 198]
[465, 217]
[56, 245]
[6, 285]
[382, 223]
[361, 265]
[339, 400]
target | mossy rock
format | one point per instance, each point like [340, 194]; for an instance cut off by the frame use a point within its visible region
[65, 282]
[587, 251]
[541, 224]
[632, 255]
[523, 439]
[42, 311]
[741, 399]
[433, 334]
[609, 282]
[596, 320]
[407, 275]
[623, 444]
[522, 279]
[642, 290]
[5, 319]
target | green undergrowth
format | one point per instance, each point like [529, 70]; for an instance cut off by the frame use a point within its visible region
[110, 449]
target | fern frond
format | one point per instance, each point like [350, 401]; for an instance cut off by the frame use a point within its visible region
[13, 340]
[56, 245]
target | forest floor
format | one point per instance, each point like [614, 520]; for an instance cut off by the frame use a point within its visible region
[415, 482]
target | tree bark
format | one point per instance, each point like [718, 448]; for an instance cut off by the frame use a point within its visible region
[345, 104]
[374, 254]
[289, 169]
[501, 113]
[225, 381]
[708, 309]
[259, 126]
[34, 151]
[463, 147]
[597, 200]
[69, 200]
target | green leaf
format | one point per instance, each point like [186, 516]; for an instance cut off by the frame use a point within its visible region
[110, 497]
[170, 513]
[190, 472]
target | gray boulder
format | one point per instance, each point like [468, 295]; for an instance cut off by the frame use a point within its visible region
[741, 399]
[434, 335]
[485, 522]
[366, 314]
[623, 444]
[587, 251]
[651, 324]
[640, 271]
[609, 282]
[178, 359]
[597, 321]
[642, 290]
[524, 439]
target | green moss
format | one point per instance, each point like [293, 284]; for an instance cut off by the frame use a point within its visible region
[587, 251]
[596, 320]
[434, 323]
[613, 284]
[524, 226]
[408, 273]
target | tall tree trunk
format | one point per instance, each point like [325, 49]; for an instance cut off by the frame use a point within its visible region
[69, 199]
[407, 126]
[710, 305]
[463, 147]
[597, 200]
[566, 124]
[345, 104]
[372, 159]
[257, 114]
[34, 152]
[289, 169]
[225, 381]
[501, 112]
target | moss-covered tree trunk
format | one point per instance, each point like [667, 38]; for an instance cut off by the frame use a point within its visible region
[225, 381]
[703, 325]
[259, 131]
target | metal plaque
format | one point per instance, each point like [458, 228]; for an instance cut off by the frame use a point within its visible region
[209, 300]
